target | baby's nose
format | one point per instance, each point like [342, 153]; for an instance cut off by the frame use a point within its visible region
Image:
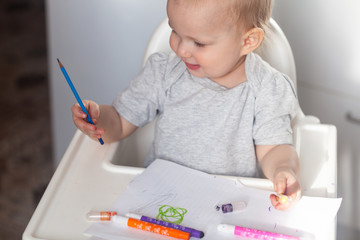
[183, 50]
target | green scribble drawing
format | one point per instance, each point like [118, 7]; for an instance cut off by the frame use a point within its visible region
[171, 214]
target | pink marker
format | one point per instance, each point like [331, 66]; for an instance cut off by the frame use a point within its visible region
[253, 233]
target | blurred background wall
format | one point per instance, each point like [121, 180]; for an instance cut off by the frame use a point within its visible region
[25, 135]
[101, 44]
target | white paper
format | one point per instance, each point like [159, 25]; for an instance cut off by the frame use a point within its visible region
[167, 183]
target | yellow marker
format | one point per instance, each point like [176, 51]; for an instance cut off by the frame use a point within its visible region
[283, 198]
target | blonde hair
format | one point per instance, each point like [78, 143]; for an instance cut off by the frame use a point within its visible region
[246, 14]
[251, 13]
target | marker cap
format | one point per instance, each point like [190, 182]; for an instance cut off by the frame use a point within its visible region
[122, 221]
[283, 198]
[133, 215]
[231, 207]
[100, 216]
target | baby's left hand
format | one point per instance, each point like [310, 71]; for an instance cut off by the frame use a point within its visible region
[285, 183]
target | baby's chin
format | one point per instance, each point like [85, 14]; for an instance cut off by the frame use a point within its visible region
[197, 73]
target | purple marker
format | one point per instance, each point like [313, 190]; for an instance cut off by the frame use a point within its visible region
[193, 232]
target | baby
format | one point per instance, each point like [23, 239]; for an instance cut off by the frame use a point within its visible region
[219, 107]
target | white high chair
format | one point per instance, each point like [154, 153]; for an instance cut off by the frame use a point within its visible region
[91, 176]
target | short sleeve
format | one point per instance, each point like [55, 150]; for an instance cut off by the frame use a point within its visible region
[141, 101]
[275, 106]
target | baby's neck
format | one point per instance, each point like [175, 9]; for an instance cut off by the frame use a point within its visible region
[235, 77]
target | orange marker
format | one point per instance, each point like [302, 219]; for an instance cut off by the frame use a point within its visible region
[100, 216]
[150, 227]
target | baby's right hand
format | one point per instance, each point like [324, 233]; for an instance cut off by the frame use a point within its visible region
[79, 118]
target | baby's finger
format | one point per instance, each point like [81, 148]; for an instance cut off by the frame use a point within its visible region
[280, 184]
[77, 111]
[273, 200]
[92, 108]
[295, 192]
[99, 131]
[277, 204]
[83, 125]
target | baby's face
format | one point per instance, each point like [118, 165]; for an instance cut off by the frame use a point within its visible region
[204, 37]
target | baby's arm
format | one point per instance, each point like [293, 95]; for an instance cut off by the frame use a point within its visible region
[109, 125]
[280, 164]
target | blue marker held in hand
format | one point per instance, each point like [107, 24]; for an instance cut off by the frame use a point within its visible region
[88, 118]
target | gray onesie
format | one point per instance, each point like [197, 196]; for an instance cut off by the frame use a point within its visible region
[205, 126]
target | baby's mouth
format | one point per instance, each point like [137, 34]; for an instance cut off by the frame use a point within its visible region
[192, 66]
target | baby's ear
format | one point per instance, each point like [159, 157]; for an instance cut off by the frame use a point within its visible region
[252, 40]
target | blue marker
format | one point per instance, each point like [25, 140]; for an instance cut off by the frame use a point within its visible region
[77, 97]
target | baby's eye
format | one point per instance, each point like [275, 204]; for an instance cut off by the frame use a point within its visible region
[198, 44]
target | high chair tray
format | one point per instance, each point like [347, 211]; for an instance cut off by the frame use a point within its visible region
[89, 177]
[85, 179]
